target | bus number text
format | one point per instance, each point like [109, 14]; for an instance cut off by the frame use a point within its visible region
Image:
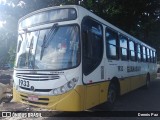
[23, 83]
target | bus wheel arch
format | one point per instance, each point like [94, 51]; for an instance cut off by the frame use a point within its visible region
[113, 92]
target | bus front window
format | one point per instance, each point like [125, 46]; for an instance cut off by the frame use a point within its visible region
[58, 50]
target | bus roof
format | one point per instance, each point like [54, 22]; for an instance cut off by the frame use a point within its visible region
[47, 9]
[84, 12]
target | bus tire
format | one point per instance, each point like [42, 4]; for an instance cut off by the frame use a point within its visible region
[112, 95]
[147, 82]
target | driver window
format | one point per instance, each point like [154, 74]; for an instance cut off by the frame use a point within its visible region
[92, 44]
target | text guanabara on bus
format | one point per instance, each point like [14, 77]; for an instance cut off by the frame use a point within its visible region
[69, 59]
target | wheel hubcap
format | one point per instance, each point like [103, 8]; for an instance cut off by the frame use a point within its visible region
[112, 96]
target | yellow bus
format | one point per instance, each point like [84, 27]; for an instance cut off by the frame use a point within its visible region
[69, 59]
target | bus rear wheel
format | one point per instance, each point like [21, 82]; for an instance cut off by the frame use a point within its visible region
[147, 82]
[112, 95]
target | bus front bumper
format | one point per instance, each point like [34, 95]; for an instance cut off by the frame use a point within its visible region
[70, 101]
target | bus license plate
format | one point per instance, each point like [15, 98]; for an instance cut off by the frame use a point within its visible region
[33, 98]
[23, 83]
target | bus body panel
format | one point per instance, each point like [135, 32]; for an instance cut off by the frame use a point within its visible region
[96, 94]
[78, 99]
[130, 77]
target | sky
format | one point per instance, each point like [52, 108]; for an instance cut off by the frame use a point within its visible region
[12, 4]
[4, 4]
[8, 22]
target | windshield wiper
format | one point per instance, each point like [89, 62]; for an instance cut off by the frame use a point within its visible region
[42, 47]
[48, 38]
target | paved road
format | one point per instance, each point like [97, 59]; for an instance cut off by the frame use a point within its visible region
[141, 99]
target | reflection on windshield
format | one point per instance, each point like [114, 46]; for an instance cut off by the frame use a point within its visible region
[61, 52]
[25, 56]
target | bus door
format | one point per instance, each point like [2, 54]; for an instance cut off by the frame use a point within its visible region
[93, 67]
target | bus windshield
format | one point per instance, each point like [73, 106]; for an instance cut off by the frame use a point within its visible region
[50, 49]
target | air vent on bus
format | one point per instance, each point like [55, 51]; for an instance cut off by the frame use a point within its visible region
[36, 90]
[37, 76]
[39, 102]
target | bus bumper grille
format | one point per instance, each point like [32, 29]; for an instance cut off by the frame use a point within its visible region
[41, 101]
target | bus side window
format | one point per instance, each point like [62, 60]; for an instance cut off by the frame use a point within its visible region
[141, 48]
[139, 53]
[112, 44]
[151, 52]
[92, 41]
[148, 55]
[123, 47]
[86, 45]
[144, 54]
[154, 57]
[132, 55]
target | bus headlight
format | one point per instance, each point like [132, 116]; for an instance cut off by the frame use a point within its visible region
[62, 89]
[55, 91]
[65, 88]
[70, 84]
